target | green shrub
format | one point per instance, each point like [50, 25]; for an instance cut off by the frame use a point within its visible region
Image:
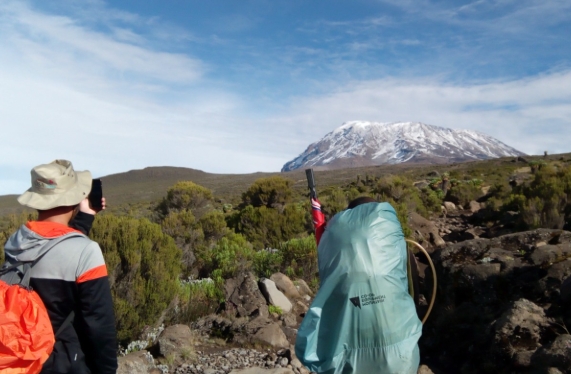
[187, 233]
[431, 199]
[266, 227]
[463, 193]
[402, 215]
[143, 265]
[224, 260]
[267, 262]
[301, 256]
[197, 298]
[186, 195]
[269, 192]
[545, 201]
[213, 226]
[333, 200]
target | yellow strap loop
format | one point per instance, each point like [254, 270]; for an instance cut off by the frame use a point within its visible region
[435, 283]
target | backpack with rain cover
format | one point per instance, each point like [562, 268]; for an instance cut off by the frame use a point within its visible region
[26, 334]
[363, 319]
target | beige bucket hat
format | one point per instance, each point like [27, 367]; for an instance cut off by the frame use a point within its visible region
[56, 184]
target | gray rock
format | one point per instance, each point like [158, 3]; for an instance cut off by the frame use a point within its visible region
[482, 271]
[425, 232]
[243, 294]
[450, 206]
[518, 331]
[548, 254]
[423, 369]
[297, 364]
[285, 285]
[474, 206]
[272, 335]
[557, 354]
[136, 362]
[300, 305]
[176, 340]
[274, 296]
[289, 320]
[302, 287]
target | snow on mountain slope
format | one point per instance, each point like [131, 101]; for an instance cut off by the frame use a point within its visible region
[359, 143]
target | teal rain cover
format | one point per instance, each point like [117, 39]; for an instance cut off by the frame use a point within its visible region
[362, 320]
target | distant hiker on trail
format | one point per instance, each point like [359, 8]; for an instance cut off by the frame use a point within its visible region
[69, 275]
[363, 319]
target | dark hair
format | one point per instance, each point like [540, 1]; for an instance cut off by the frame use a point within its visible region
[361, 200]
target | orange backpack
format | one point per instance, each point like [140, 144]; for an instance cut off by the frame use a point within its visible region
[26, 334]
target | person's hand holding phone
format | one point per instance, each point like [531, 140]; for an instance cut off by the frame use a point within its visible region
[95, 202]
[85, 207]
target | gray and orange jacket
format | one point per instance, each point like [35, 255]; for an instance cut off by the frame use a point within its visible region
[71, 276]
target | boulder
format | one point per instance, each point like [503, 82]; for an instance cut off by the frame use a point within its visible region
[302, 287]
[449, 206]
[271, 335]
[425, 232]
[285, 285]
[549, 254]
[473, 233]
[274, 296]
[519, 329]
[500, 303]
[423, 369]
[176, 341]
[136, 362]
[556, 354]
[243, 295]
[474, 206]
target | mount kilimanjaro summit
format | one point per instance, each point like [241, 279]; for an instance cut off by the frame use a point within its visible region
[359, 143]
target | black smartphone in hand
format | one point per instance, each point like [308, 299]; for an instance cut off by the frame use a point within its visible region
[96, 194]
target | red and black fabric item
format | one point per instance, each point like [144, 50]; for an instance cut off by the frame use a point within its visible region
[318, 219]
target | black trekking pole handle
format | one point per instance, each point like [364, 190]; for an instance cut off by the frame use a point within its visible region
[311, 183]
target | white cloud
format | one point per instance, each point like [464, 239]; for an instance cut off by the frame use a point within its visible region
[108, 104]
[113, 101]
[51, 42]
[531, 114]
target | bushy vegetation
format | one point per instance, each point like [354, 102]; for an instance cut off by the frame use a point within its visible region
[270, 192]
[178, 259]
[144, 265]
[543, 202]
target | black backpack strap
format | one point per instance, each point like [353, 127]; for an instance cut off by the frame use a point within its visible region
[65, 323]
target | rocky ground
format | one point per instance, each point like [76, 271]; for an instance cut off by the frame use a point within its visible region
[503, 306]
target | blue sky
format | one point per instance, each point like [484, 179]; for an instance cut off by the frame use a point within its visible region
[244, 86]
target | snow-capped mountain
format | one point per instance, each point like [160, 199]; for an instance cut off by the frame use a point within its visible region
[359, 143]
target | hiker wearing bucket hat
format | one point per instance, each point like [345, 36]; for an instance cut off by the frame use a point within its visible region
[68, 270]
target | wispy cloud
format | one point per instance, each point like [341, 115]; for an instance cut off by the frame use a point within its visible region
[50, 41]
[113, 90]
[530, 114]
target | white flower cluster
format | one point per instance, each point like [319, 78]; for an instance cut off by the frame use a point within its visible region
[163, 368]
[152, 334]
[191, 280]
[148, 338]
[134, 346]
